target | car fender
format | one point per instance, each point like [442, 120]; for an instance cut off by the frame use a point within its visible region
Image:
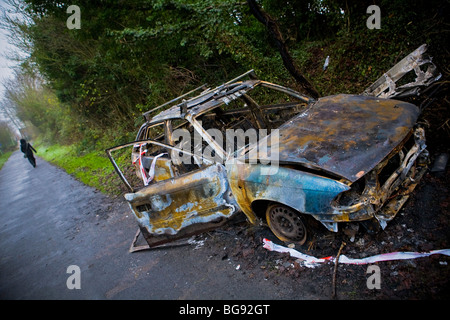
[306, 192]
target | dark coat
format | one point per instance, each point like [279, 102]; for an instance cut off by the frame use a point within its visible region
[28, 149]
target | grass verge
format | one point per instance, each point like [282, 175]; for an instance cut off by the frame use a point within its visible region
[4, 157]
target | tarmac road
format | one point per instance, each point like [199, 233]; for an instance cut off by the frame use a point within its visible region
[50, 221]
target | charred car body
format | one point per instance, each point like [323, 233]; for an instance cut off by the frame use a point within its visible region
[341, 158]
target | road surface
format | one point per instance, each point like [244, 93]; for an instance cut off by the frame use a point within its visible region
[50, 221]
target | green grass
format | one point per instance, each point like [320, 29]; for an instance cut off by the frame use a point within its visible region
[4, 157]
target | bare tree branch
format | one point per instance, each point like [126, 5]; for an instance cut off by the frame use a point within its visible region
[274, 31]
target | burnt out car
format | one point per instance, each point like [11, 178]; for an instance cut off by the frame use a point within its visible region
[277, 156]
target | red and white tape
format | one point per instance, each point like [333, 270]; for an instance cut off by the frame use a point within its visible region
[311, 261]
[146, 179]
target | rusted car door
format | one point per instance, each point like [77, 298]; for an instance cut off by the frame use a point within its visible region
[176, 204]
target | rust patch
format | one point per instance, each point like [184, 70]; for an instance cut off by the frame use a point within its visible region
[346, 134]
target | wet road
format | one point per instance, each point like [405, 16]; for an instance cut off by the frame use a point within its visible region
[49, 221]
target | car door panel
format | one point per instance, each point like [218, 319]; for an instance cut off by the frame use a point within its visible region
[182, 205]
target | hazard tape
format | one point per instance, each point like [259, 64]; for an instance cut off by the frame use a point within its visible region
[146, 179]
[311, 261]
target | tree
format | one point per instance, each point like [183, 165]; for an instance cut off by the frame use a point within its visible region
[7, 137]
[274, 31]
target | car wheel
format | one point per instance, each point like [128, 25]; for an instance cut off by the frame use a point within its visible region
[286, 223]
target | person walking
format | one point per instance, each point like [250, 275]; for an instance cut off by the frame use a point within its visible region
[28, 149]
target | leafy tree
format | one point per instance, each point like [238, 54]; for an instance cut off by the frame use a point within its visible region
[130, 56]
[7, 138]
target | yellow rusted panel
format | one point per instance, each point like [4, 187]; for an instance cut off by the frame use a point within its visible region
[172, 204]
[163, 170]
[236, 176]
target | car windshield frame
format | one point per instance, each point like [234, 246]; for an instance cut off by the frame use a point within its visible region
[109, 151]
[192, 116]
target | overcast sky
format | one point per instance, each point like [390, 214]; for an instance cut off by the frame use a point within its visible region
[6, 65]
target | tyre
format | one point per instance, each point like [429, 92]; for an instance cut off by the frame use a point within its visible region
[286, 223]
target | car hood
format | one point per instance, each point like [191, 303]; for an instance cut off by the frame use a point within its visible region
[346, 135]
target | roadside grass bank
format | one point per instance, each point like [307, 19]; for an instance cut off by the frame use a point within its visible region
[92, 168]
[4, 157]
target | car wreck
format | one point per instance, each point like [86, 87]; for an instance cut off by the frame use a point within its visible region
[278, 156]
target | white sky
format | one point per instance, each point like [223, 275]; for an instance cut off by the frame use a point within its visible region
[6, 65]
